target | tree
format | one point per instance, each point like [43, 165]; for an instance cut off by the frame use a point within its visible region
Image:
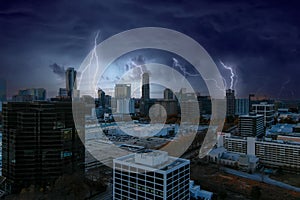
[255, 192]
[222, 195]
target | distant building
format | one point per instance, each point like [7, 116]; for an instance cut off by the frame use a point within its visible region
[204, 104]
[230, 102]
[122, 91]
[39, 143]
[151, 175]
[274, 153]
[31, 94]
[71, 83]
[145, 86]
[63, 92]
[242, 106]
[251, 125]
[101, 97]
[265, 109]
[125, 106]
[168, 94]
[145, 99]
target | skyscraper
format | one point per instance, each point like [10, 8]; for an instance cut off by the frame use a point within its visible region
[265, 109]
[145, 100]
[122, 91]
[145, 86]
[168, 94]
[39, 143]
[151, 175]
[242, 106]
[71, 84]
[251, 125]
[230, 102]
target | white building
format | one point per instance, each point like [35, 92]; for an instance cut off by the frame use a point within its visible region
[265, 109]
[151, 175]
[270, 152]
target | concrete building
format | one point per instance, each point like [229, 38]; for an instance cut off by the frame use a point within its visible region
[123, 91]
[270, 152]
[251, 125]
[265, 109]
[230, 102]
[39, 143]
[151, 175]
[242, 106]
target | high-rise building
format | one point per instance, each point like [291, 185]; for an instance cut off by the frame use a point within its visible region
[204, 104]
[122, 91]
[168, 94]
[39, 143]
[31, 94]
[251, 125]
[145, 86]
[62, 92]
[242, 106]
[71, 84]
[101, 97]
[145, 100]
[230, 102]
[265, 109]
[151, 175]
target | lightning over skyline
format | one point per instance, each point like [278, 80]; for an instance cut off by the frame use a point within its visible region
[232, 75]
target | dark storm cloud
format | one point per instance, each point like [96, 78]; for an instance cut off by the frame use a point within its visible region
[59, 70]
[259, 38]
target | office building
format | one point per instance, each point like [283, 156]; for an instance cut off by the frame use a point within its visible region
[151, 175]
[168, 94]
[31, 94]
[241, 106]
[145, 99]
[123, 91]
[230, 102]
[265, 109]
[273, 153]
[39, 143]
[251, 125]
[145, 86]
[71, 84]
[204, 104]
[62, 92]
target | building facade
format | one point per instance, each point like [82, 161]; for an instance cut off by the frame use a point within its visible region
[270, 152]
[230, 102]
[151, 175]
[265, 109]
[251, 125]
[242, 106]
[39, 143]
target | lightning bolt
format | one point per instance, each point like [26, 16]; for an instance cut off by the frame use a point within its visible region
[231, 72]
[88, 66]
[185, 73]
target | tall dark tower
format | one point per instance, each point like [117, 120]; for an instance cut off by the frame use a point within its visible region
[145, 100]
[71, 81]
[145, 86]
[230, 102]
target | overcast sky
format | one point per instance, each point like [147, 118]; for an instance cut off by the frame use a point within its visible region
[259, 39]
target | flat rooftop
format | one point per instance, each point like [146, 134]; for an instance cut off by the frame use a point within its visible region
[152, 160]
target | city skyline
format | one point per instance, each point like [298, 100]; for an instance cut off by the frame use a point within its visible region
[258, 39]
